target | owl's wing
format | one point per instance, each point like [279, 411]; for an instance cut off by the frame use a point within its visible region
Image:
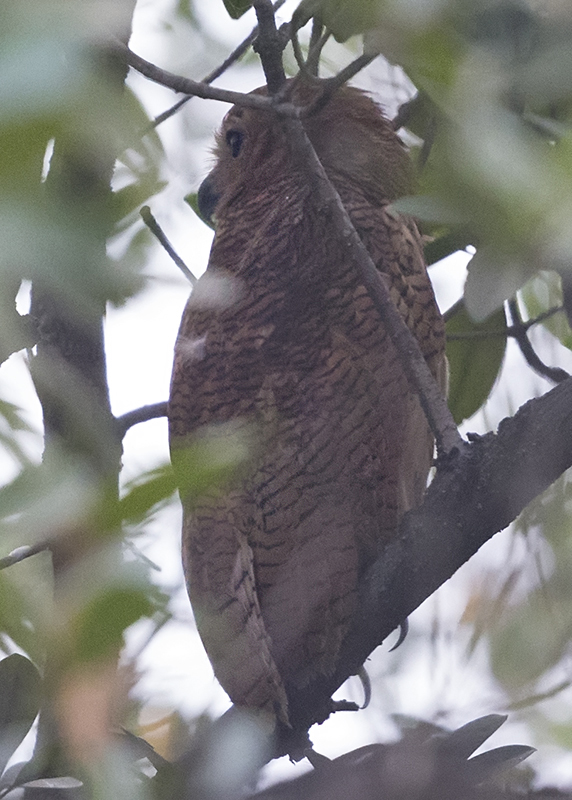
[218, 563]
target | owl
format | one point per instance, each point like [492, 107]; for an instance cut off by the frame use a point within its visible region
[281, 345]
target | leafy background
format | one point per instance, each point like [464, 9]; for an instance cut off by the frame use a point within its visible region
[495, 101]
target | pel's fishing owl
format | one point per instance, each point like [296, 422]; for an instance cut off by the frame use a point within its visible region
[280, 342]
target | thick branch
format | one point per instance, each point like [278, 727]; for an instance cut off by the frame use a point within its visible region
[269, 45]
[69, 368]
[19, 333]
[471, 498]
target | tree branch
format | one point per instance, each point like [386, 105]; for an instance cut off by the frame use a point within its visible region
[318, 39]
[554, 374]
[512, 331]
[469, 500]
[217, 72]
[269, 45]
[19, 333]
[143, 414]
[185, 85]
[157, 231]
[347, 73]
[22, 553]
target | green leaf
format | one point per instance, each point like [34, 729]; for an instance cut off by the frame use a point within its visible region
[20, 690]
[212, 456]
[465, 740]
[192, 199]
[25, 595]
[343, 18]
[100, 626]
[445, 244]
[157, 486]
[236, 8]
[532, 641]
[492, 278]
[495, 762]
[474, 362]
[431, 208]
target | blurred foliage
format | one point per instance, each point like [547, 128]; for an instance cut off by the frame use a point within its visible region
[492, 121]
[532, 637]
[542, 293]
[20, 696]
[475, 351]
[236, 8]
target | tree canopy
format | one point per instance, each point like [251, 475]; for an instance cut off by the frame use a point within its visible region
[102, 147]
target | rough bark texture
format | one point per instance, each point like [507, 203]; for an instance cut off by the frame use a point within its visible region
[476, 494]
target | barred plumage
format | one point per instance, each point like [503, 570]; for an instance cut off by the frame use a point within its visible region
[281, 338]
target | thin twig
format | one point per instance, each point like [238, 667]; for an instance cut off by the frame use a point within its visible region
[21, 553]
[510, 331]
[348, 72]
[217, 72]
[309, 67]
[187, 86]
[298, 55]
[269, 45]
[331, 85]
[428, 141]
[317, 43]
[157, 231]
[143, 414]
[554, 374]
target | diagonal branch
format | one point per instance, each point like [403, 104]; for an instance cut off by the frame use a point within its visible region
[469, 501]
[185, 85]
[157, 231]
[554, 374]
[218, 71]
[434, 405]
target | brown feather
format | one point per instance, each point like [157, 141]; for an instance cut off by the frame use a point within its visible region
[296, 350]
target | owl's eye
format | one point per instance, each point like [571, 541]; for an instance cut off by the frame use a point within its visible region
[234, 140]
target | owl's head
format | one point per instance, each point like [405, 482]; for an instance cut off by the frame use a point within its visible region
[355, 142]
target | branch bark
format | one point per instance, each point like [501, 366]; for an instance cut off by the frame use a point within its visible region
[185, 85]
[269, 45]
[472, 497]
[143, 414]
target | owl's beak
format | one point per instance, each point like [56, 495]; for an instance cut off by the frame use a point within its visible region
[207, 199]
